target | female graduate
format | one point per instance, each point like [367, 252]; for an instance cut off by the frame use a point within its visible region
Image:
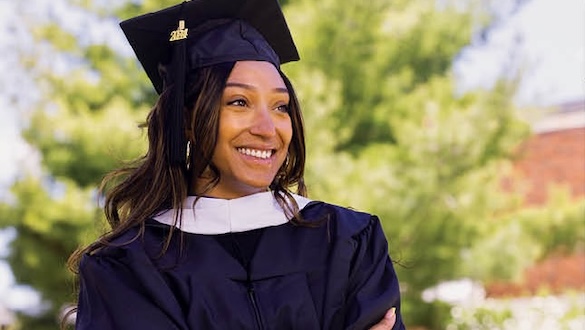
[206, 232]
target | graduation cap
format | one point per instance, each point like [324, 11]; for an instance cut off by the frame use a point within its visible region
[201, 33]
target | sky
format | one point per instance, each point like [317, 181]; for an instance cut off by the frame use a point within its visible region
[546, 37]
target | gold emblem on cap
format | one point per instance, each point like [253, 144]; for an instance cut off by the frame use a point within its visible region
[180, 33]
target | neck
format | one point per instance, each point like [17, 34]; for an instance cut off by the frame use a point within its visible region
[206, 188]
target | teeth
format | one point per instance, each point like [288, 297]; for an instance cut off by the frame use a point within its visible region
[264, 154]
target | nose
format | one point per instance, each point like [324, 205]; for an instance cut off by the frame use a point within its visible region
[263, 123]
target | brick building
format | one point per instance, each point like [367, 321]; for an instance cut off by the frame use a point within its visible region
[555, 155]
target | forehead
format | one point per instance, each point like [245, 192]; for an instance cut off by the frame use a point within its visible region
[256, 73]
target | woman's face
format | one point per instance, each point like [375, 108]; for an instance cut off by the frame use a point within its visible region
[255, 130]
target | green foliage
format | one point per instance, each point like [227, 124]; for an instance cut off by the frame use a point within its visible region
[558, 226]
[502, 255]
[51, 220]
[84, 126]
[521, 237]
[387, 133]
[377, 51]
[81, 144]
[435, 313]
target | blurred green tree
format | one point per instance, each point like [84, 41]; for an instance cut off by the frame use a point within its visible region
[387, 133]
[84, 126]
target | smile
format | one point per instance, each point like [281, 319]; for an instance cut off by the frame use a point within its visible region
[264, 154]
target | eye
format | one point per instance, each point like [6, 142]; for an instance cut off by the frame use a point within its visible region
[238, 103]
[283, 108]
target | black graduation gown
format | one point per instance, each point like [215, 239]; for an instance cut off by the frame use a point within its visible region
[336, 275]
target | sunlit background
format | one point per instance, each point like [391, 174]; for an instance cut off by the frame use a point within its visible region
[508, 107]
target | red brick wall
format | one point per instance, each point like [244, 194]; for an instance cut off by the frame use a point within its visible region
[547, 159]
[545, 275]
[552, 158]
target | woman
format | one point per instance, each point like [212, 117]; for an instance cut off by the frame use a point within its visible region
[206, 233]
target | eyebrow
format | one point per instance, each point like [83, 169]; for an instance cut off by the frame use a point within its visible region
[250, 87]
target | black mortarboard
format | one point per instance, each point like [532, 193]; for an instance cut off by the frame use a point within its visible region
[199, 33]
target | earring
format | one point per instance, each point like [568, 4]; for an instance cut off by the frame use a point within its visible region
[188, 155]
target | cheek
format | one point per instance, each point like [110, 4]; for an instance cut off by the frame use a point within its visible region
[228, 127]
[286, 131]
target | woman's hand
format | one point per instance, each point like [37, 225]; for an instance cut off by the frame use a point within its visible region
[387, 322]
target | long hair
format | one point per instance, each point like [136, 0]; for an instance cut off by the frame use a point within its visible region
[150, 184]
[292, 172]
[140, 190]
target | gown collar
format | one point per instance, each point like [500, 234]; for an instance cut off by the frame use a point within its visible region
[213, 216]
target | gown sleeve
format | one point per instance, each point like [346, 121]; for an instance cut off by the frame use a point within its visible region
[373, 284]
[115, 294]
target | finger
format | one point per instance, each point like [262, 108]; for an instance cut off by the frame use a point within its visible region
[387, 322]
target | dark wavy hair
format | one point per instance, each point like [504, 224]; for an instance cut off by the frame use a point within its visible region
[140, 190]
[126, 202]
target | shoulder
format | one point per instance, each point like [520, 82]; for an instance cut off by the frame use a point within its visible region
[347, 222]
[116, 251]
[131, 242]
[129, 254]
